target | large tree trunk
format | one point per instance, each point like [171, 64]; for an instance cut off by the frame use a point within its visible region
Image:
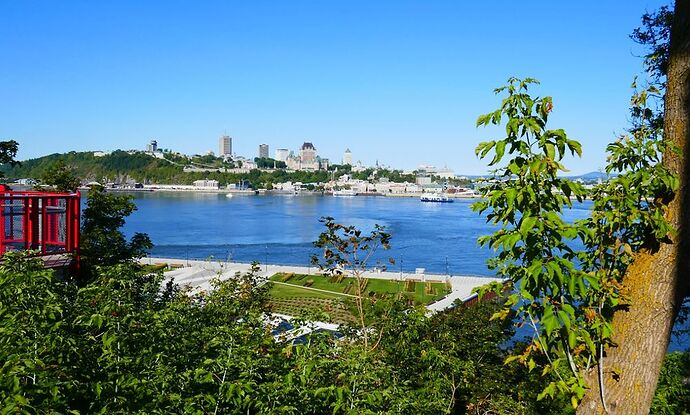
[657, 281]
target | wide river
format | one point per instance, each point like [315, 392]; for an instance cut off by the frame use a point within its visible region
[439, 237]
[281, 229]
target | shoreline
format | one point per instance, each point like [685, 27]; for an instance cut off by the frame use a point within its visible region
[416, 195]
[220, 265]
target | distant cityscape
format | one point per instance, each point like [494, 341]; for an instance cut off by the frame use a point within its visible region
[306, 158]
[289, 171]
[426, 178]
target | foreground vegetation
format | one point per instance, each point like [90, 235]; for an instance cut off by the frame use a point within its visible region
[121, 345]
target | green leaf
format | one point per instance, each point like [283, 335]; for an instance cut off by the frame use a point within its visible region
[550, 151]
[500, 149]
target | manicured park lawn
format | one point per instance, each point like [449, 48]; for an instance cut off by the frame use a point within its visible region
[293, 291]
[420, 293]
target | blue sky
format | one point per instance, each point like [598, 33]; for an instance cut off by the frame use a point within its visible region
[401, 82]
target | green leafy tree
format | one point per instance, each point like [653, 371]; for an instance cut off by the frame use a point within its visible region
[582, 315]
[533, 242]
[347, 251]
[673, 393]
[102, 242]
[60, 177]
[655, 283]
[8, 152]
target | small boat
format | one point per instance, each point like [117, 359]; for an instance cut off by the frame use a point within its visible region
[228, 195]
[436, 198]
[344, 193]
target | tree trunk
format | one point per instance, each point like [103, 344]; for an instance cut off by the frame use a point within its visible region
[657, 281]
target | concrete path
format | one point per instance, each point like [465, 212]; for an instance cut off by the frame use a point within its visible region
[198, 275]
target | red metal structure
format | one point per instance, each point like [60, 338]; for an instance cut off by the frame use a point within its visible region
[40, 221]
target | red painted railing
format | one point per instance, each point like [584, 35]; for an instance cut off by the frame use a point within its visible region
[40, 221]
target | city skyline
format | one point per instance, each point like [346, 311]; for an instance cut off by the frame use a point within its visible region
[402, 83]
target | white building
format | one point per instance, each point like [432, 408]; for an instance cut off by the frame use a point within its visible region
[347, 157]
[225, 146]
[282, 154]
[207, 184]
[423, 180]
[152, 147]
[445, 173]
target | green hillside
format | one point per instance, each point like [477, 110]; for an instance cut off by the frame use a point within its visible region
[121, 167]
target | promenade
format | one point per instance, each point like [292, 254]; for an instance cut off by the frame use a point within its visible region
[198, 275]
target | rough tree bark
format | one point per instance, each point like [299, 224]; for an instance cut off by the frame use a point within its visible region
[657, 281]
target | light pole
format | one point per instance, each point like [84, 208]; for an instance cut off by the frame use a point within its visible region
[447, 274]
[401, 261]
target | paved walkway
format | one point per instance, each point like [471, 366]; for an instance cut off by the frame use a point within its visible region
[198, 275]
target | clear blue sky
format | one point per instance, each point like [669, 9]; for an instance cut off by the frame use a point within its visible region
[398, 81]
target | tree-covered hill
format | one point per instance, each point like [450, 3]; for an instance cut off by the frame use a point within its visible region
[118, 166]
[126, 167]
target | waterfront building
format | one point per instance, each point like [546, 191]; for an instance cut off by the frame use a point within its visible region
[347, 157]
[263, 151]
[152, 147]
[225, 146]
[206, 184]
[423, 180]
[446, 173]
[282, 154]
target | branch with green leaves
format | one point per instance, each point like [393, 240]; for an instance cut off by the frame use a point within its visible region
[566, 296]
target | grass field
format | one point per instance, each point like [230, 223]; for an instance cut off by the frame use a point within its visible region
[299, 292]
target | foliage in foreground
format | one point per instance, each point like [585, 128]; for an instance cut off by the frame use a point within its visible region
[568, 296]
[121, 344]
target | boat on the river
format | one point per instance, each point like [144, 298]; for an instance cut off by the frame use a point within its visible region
[436, 198]
[344, 193]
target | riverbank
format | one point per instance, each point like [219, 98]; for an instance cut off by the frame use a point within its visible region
[260, 192]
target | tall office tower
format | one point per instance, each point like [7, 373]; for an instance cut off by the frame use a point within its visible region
[225, 146]
[347, 157]
[263, 151]
[282, 154]
[152, 147]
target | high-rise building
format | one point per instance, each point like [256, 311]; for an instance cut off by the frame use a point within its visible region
[225, 146]
[152, 147]
[282, 154]
[347, 157]
[263, 151]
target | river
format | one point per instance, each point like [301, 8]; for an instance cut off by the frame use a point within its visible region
[440, 237]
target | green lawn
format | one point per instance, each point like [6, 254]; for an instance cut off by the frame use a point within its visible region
[293, 291]
[423, 293]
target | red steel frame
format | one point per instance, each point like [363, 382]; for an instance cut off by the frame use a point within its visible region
[30, 221]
